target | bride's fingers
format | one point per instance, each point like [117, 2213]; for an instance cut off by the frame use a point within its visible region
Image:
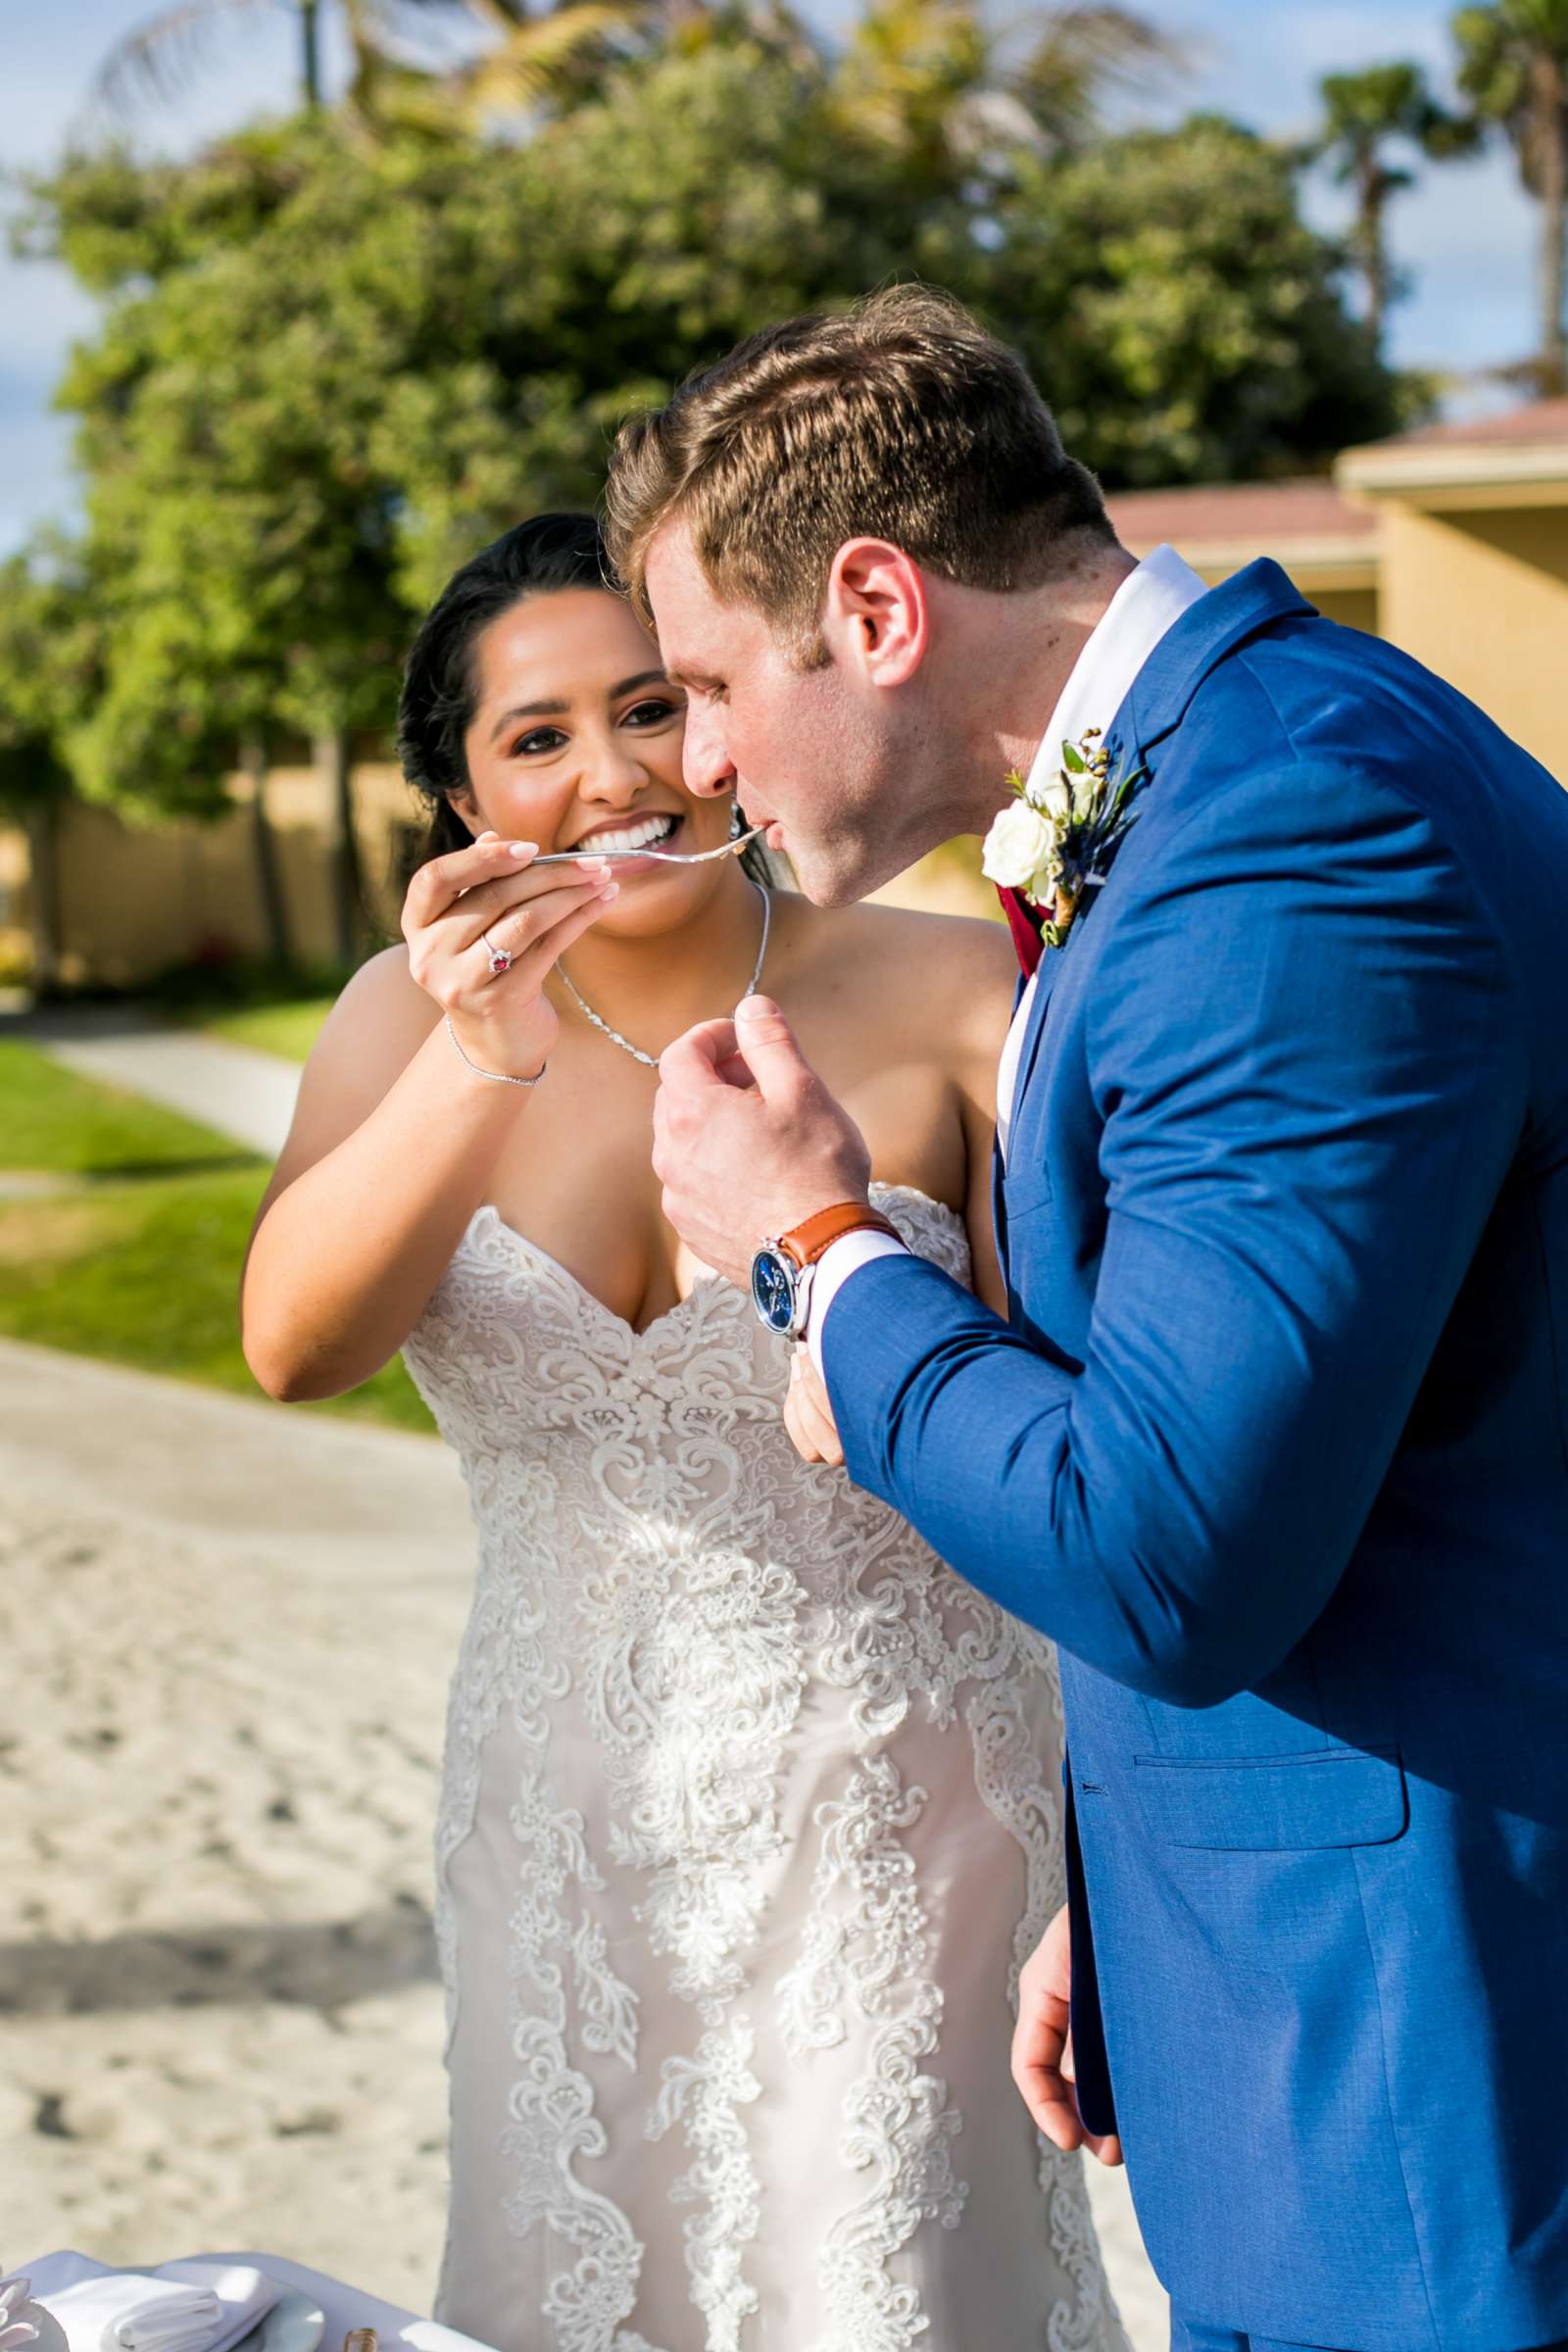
[516, 923]
[439, 883]
[480, 910]
[539, 946]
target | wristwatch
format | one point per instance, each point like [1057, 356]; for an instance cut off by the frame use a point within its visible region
[782, 1269]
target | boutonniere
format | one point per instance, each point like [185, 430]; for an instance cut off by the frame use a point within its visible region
[1057, 838]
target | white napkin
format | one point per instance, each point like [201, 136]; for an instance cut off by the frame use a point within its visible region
[184, 2307]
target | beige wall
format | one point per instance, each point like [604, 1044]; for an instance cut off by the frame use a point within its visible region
[1481, 598]
[136, 899]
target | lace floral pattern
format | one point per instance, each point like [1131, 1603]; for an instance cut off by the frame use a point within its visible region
[735, 1768]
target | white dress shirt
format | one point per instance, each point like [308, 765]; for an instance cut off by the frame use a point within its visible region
[1149, 601]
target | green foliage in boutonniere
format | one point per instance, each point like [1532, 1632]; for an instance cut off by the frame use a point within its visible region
[1057, 839]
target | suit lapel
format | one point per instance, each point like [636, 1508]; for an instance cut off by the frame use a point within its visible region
[1216, 625]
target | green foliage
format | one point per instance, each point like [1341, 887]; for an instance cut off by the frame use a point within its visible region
[332, 365]
[1513, 68]
[1184, 322]
[50, 648]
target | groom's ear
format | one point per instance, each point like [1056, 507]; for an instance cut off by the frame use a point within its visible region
[876, 617]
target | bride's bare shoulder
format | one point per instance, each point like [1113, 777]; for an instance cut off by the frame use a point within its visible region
[900, 955]
[378, 1023]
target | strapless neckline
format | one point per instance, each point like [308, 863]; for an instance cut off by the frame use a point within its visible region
[489, 1216]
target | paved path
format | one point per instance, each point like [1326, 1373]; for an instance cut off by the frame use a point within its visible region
[232, 1089]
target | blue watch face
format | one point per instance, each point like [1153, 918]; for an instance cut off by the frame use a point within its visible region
[773, 1290]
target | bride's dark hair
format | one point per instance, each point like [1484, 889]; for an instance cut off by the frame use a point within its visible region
[543, 557]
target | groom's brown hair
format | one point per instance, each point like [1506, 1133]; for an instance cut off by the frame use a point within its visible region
[900, 419]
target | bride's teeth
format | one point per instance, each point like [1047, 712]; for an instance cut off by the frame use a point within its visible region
[637, 837]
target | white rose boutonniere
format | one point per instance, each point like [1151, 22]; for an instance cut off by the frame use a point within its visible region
[1057, 838]
[1017, 846]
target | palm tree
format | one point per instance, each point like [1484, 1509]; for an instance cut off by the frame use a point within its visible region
[157, 59]
[1364, 114]
[397, 69]
[934, 78]
[1513, 67]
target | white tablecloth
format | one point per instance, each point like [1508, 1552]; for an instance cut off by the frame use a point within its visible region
[345, 2307]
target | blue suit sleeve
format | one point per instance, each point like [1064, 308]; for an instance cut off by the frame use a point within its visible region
[1308, 1086]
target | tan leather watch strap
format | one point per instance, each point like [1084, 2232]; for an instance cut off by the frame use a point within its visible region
[808, 1241]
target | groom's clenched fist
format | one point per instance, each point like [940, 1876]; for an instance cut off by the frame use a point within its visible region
[748, 1142]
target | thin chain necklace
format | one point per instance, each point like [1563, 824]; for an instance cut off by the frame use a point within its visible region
[650, 1061]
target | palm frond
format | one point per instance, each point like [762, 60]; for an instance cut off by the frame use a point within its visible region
[160, 59]
[529, 66]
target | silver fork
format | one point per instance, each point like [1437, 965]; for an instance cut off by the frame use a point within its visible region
[727, 849]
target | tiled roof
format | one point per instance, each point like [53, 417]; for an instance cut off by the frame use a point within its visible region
[1540, 422]
[1268, 517]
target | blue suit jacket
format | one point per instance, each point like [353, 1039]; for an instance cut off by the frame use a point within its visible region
[1274, 1445]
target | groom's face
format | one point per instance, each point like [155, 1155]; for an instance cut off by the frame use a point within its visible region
[806, 750]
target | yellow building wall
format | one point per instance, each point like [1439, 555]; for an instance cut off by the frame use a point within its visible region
[1481, 598]
[1352, 607]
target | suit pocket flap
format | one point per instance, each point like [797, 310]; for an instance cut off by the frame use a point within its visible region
[1261, 1804]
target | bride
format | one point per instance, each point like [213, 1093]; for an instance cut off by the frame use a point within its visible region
[750, 1808]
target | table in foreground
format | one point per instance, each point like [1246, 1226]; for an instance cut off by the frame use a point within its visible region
[345, 2306]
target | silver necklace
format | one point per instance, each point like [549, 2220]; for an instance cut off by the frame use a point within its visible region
[650, 1061]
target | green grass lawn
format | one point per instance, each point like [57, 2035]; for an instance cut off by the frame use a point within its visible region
[54, 1122]
[286, 1029]
[140, 1263]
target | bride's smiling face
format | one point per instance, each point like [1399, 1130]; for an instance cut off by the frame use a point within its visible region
[575, 744]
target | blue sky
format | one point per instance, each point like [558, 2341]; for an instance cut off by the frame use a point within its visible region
[1466, 232]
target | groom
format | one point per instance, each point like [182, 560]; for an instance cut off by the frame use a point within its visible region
[1273, 1441]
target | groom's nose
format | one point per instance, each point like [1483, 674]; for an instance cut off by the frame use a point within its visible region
[706, 766]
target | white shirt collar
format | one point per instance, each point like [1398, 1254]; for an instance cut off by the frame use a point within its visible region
[1149, 601]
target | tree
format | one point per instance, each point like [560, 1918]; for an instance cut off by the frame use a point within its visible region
[935, 82]
[1364, 115]
[1513, 68]
[159, 58]
[328, 367]
[49, 667]
[511, 60]
[1185, 322]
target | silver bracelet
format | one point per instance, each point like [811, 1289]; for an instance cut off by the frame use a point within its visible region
[496, 1077]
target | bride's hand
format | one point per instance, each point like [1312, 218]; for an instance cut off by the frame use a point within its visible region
[460, 906]
[809, 1414]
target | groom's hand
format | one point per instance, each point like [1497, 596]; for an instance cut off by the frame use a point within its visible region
[748, 1142]
[1042, 2051]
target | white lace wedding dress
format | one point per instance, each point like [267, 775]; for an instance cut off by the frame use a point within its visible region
[750, 1817]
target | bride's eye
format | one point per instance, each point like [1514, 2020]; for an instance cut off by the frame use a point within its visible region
[541, 739]
[652, 713]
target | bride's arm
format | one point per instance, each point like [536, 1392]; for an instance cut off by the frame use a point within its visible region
[394, 1135]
